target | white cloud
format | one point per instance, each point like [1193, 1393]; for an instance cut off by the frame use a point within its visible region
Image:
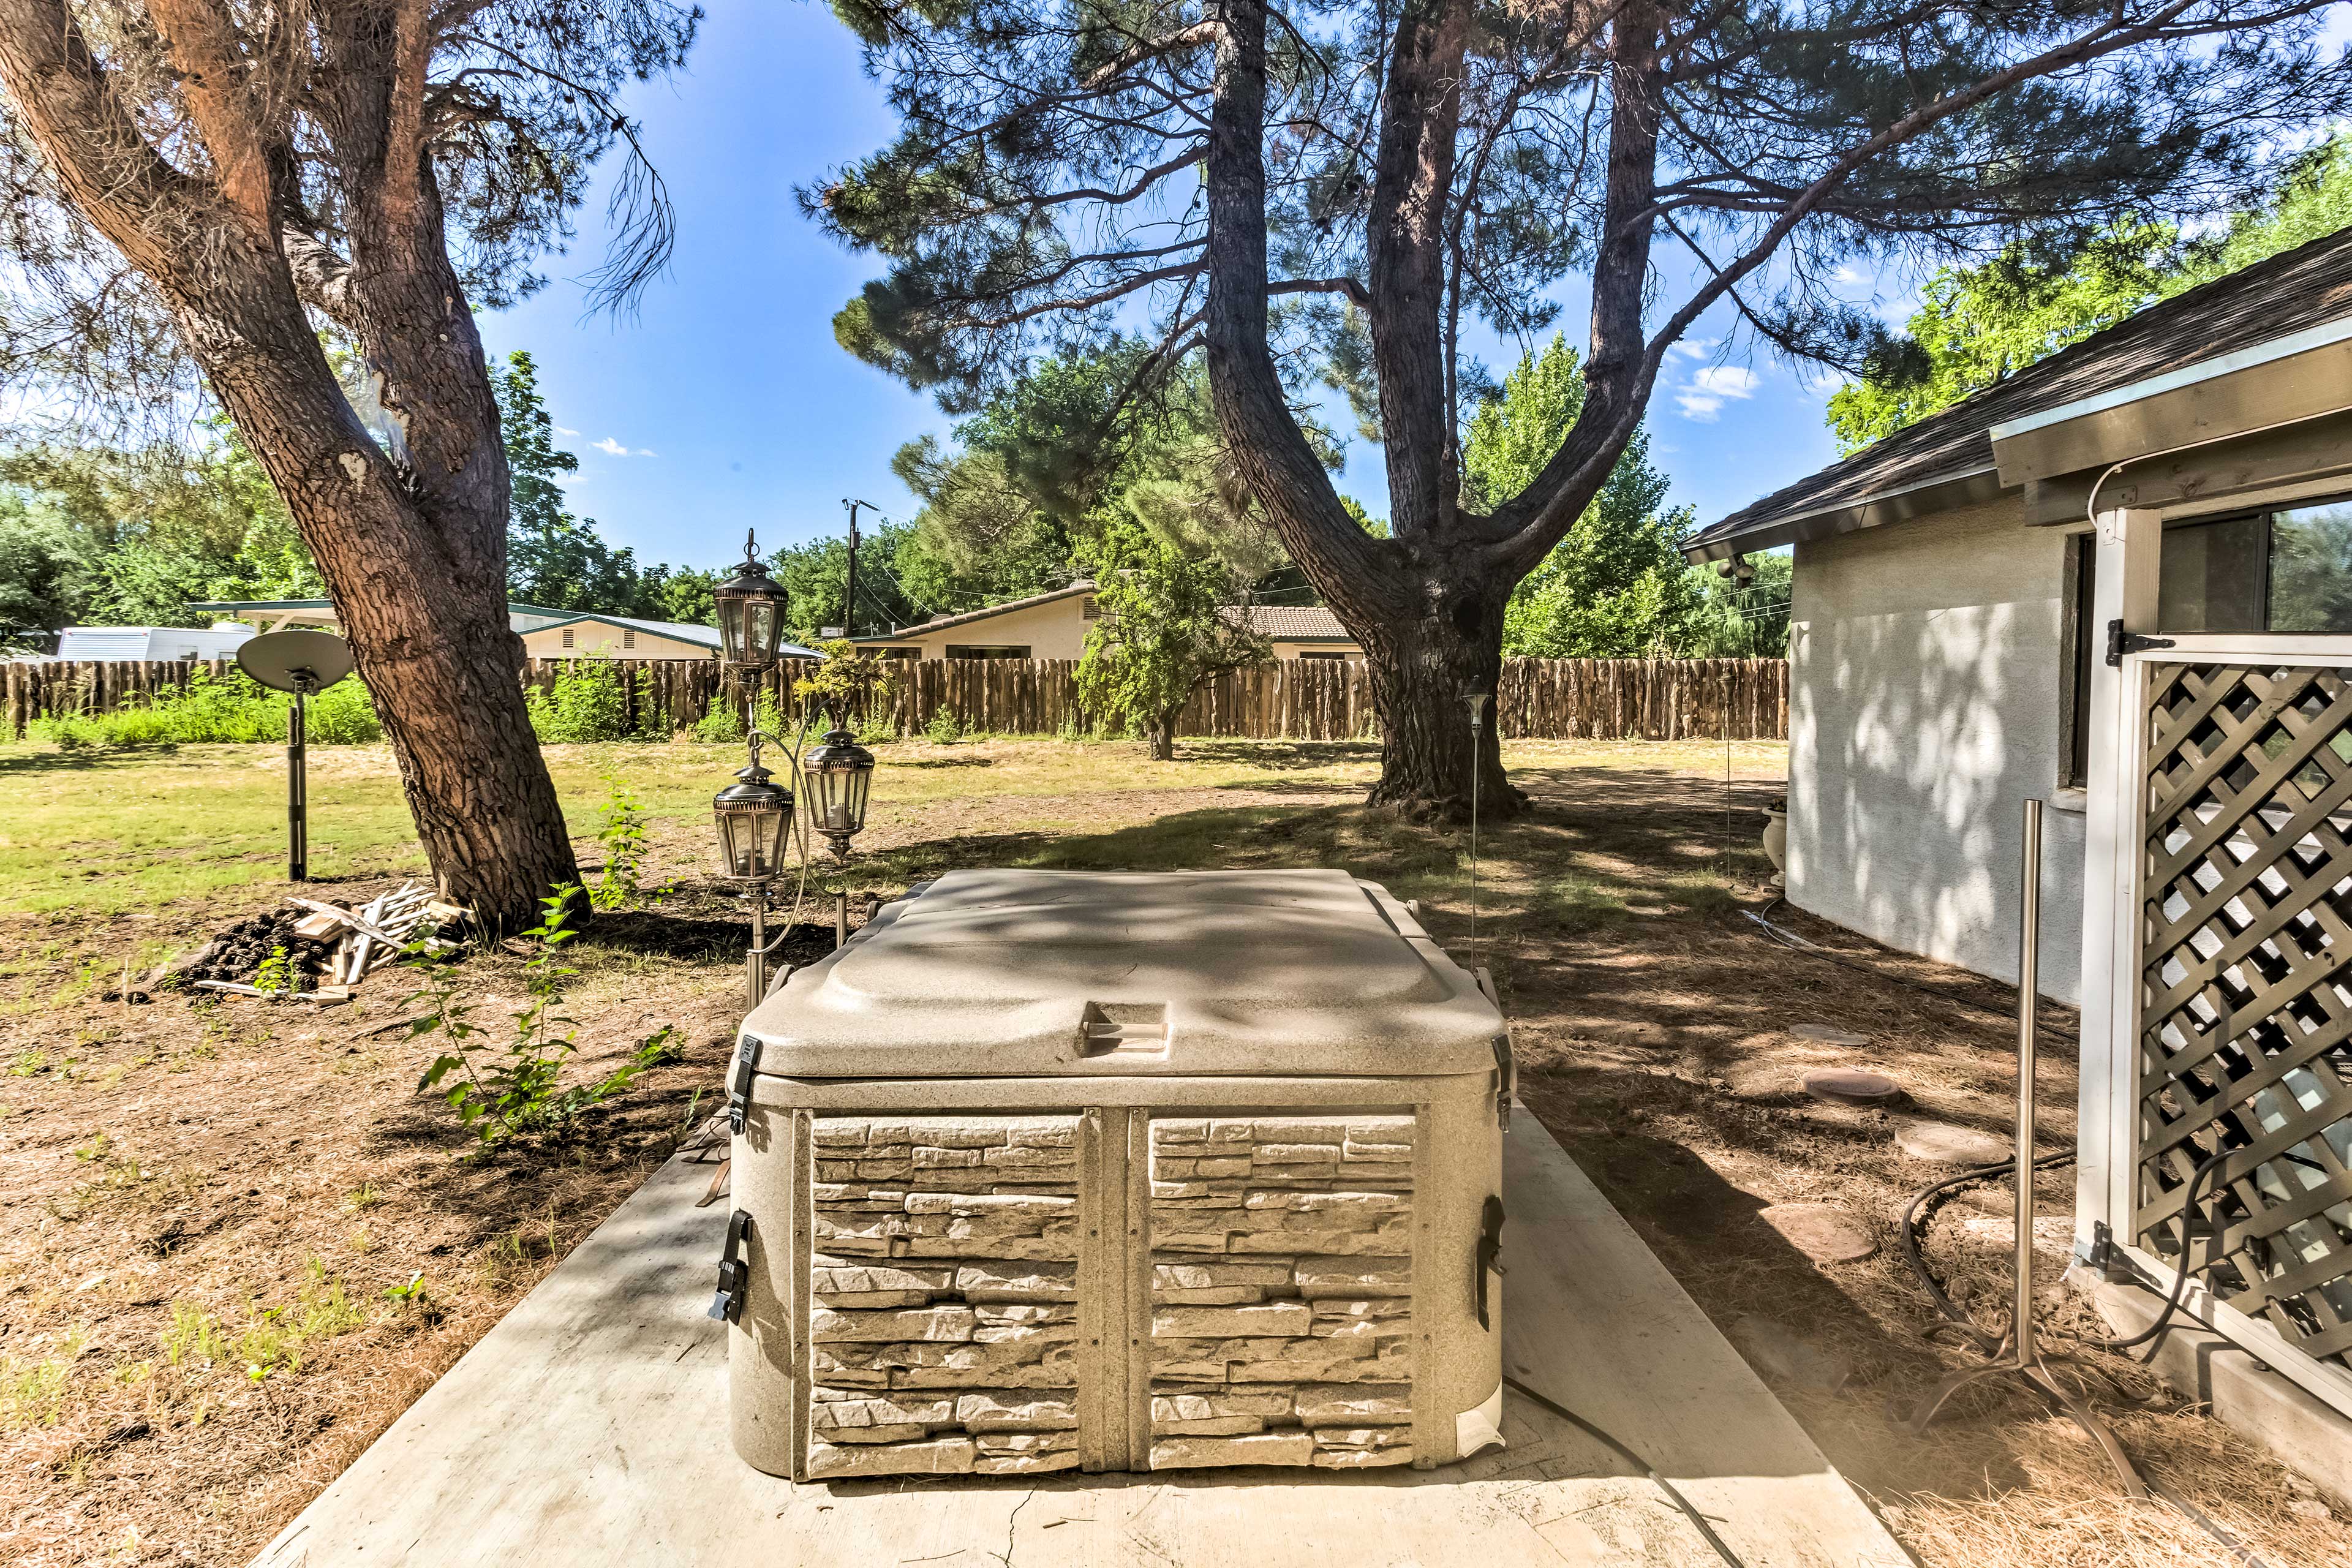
[565, 430]
[1710, 386]
[1696, 348]
[1845, 275]
[622, 449]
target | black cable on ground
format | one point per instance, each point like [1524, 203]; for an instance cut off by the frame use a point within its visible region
[1698, 1519]
[1907, 1235]
[1906, 1231]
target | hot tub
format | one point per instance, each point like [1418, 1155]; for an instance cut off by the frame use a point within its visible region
[1120, 1171]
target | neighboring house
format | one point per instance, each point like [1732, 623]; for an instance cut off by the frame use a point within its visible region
[1054, 625]
[277, 614]
[1943, 634]
[546, 633]
[150, 642]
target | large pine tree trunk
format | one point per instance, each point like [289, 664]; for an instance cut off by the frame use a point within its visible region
[1421, 671]
[412, 550]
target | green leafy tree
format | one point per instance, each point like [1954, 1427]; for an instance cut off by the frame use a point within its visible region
[1614, 586]
[1168, 623]
[44, 575]
[161, 524]
[1977, 324]
[1744, 620]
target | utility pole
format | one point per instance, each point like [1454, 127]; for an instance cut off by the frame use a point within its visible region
[849, 583]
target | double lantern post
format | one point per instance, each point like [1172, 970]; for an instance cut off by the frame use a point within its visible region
[754, 814]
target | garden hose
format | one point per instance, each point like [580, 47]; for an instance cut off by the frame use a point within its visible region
[1674, 1493]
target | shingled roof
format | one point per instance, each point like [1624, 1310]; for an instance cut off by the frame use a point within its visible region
[1297, 623]
[2292, 291]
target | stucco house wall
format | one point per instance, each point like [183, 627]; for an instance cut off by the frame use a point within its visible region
[592, 641]
[1927, 665]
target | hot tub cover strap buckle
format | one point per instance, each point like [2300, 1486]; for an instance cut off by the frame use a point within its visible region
[734, 1273]
[738, 1083]
[1490, 1252]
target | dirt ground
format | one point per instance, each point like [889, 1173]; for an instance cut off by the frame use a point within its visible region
[203, 1205]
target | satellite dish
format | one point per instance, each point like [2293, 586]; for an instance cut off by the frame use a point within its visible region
[298, 661]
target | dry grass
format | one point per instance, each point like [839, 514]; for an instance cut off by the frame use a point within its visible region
[241, 1184]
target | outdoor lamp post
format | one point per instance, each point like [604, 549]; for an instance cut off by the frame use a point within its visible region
[838, 774]
[754, 818]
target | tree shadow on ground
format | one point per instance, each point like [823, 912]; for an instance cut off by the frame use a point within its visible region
[1280, 755]
[76, 761]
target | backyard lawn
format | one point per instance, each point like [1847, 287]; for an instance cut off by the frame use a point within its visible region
[235, 1242]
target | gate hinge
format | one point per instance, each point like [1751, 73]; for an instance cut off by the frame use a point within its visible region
[734, 1272]
[738, 1083]
[1490, 1252]
[2121, 642]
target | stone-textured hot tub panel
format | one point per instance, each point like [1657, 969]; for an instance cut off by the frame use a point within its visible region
[943, 1314]
[1281, 1290]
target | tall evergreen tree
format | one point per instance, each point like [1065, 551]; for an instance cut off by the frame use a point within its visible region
[195, 187]
[1298, 191]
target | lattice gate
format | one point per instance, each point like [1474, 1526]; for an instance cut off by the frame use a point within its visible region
[2245, 1037]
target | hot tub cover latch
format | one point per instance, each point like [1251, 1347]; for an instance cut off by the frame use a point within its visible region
[738, 1083]
[1490, 1251]
[734, 1273]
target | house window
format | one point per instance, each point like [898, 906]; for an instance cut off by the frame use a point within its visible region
[2080, 637]
[2288, 570]
[975, 650]
[567, 637]
[898, 653]
[1322, 653]
[628, 636]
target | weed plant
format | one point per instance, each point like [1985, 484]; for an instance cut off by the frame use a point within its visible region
[212, 707]
[514, 1091]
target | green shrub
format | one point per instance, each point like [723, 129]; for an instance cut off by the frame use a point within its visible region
[589, 702]
[211, 708]
[945, 729]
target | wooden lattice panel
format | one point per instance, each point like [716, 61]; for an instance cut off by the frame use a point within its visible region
[2246, 1005]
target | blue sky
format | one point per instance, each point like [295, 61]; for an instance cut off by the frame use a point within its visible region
[725, 402]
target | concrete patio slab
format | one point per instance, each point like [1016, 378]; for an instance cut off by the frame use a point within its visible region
[589, 1430]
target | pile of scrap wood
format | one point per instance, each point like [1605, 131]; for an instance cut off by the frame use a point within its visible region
[351, 945]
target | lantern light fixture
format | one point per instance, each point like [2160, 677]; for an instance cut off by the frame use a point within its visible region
[754, 818]
[839, 773]
[750, 612]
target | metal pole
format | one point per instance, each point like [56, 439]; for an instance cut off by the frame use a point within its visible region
[2029, 953]
[298, 797]
[849, 583]
[840, 916]
[1477, 731]
[755, 958]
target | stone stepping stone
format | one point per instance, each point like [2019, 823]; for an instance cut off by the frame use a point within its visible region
[1776, 1353]
[1851, 1085]
[1826, 1035]
[1822, 1232]
[1941, 1143]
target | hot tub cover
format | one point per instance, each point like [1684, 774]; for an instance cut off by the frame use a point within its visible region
[1017, 974]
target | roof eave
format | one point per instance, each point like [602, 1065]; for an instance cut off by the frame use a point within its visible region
[1945, 491]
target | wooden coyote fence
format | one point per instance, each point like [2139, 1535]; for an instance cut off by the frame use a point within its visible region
[1299, 699]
